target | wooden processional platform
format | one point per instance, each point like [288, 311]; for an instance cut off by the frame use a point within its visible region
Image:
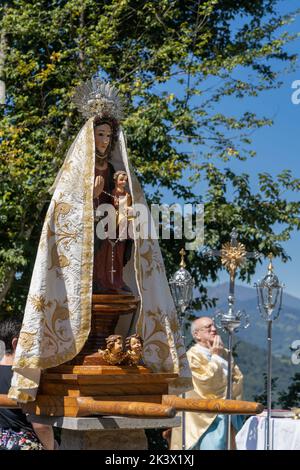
[88, 386]
[77, 387]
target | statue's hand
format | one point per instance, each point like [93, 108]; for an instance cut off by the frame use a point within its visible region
[130, 212]
[98, 186]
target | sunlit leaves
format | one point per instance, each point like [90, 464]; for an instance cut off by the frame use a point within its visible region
[173, 62]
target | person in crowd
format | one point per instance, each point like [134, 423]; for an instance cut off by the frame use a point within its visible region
[16, 432]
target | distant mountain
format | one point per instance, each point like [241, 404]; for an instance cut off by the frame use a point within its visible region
[252, 361]
[251, 343]
[286, 328]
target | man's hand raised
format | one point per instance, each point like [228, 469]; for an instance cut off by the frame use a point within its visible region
[217, 346]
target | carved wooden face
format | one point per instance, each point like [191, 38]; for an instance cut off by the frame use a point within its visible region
[118, 345]
[135, 344]
[103, 134]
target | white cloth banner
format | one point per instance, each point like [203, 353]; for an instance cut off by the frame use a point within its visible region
[285, 434]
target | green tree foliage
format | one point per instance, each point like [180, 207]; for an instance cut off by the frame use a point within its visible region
[173, 61]
[263, 397]
[291, 397]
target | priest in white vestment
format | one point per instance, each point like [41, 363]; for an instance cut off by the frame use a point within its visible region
[209, 367]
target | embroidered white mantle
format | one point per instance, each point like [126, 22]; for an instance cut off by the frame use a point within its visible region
[58, 310]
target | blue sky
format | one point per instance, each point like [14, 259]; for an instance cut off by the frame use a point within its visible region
[277, 148]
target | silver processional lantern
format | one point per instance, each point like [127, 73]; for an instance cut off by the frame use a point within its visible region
[181, 285]
[269, 299]
[269, 294]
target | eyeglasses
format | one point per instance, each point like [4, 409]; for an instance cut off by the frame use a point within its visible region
[207, 327]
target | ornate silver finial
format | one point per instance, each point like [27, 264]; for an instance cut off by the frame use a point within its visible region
[97, 98]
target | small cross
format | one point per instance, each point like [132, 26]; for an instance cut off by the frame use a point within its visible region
[270, 267]
[112, 271]
[232, 258]
[182, 254]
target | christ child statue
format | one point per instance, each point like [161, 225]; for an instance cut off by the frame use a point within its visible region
[122, 202]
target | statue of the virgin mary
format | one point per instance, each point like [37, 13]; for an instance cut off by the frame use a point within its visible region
[71, 263]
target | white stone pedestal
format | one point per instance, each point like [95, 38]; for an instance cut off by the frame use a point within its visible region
[105, 432]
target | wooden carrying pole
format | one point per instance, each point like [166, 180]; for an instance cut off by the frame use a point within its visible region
[6, 402]
[213, 406]
[170, 404]
[89, 406]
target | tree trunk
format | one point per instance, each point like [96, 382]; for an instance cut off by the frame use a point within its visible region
[6, 285]
[3, 48]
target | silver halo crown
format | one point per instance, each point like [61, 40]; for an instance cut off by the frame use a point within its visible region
[97, 98]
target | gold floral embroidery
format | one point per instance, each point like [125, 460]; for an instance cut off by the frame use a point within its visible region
[26, 340]
[63, 232]
[58, 260]
[148, 255]
[151, 256]
[174, 324]
[60, 313]
[50, 232]
[39, 303]
[60, 209]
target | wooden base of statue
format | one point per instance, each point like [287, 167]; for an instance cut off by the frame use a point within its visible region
[106, 311]
[85, 386]
[78, 390]
[79, 386]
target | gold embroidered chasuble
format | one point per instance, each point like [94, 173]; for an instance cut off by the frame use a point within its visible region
[57, 319]
[209, 382]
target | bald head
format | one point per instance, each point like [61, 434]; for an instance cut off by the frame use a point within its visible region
[203, 331]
